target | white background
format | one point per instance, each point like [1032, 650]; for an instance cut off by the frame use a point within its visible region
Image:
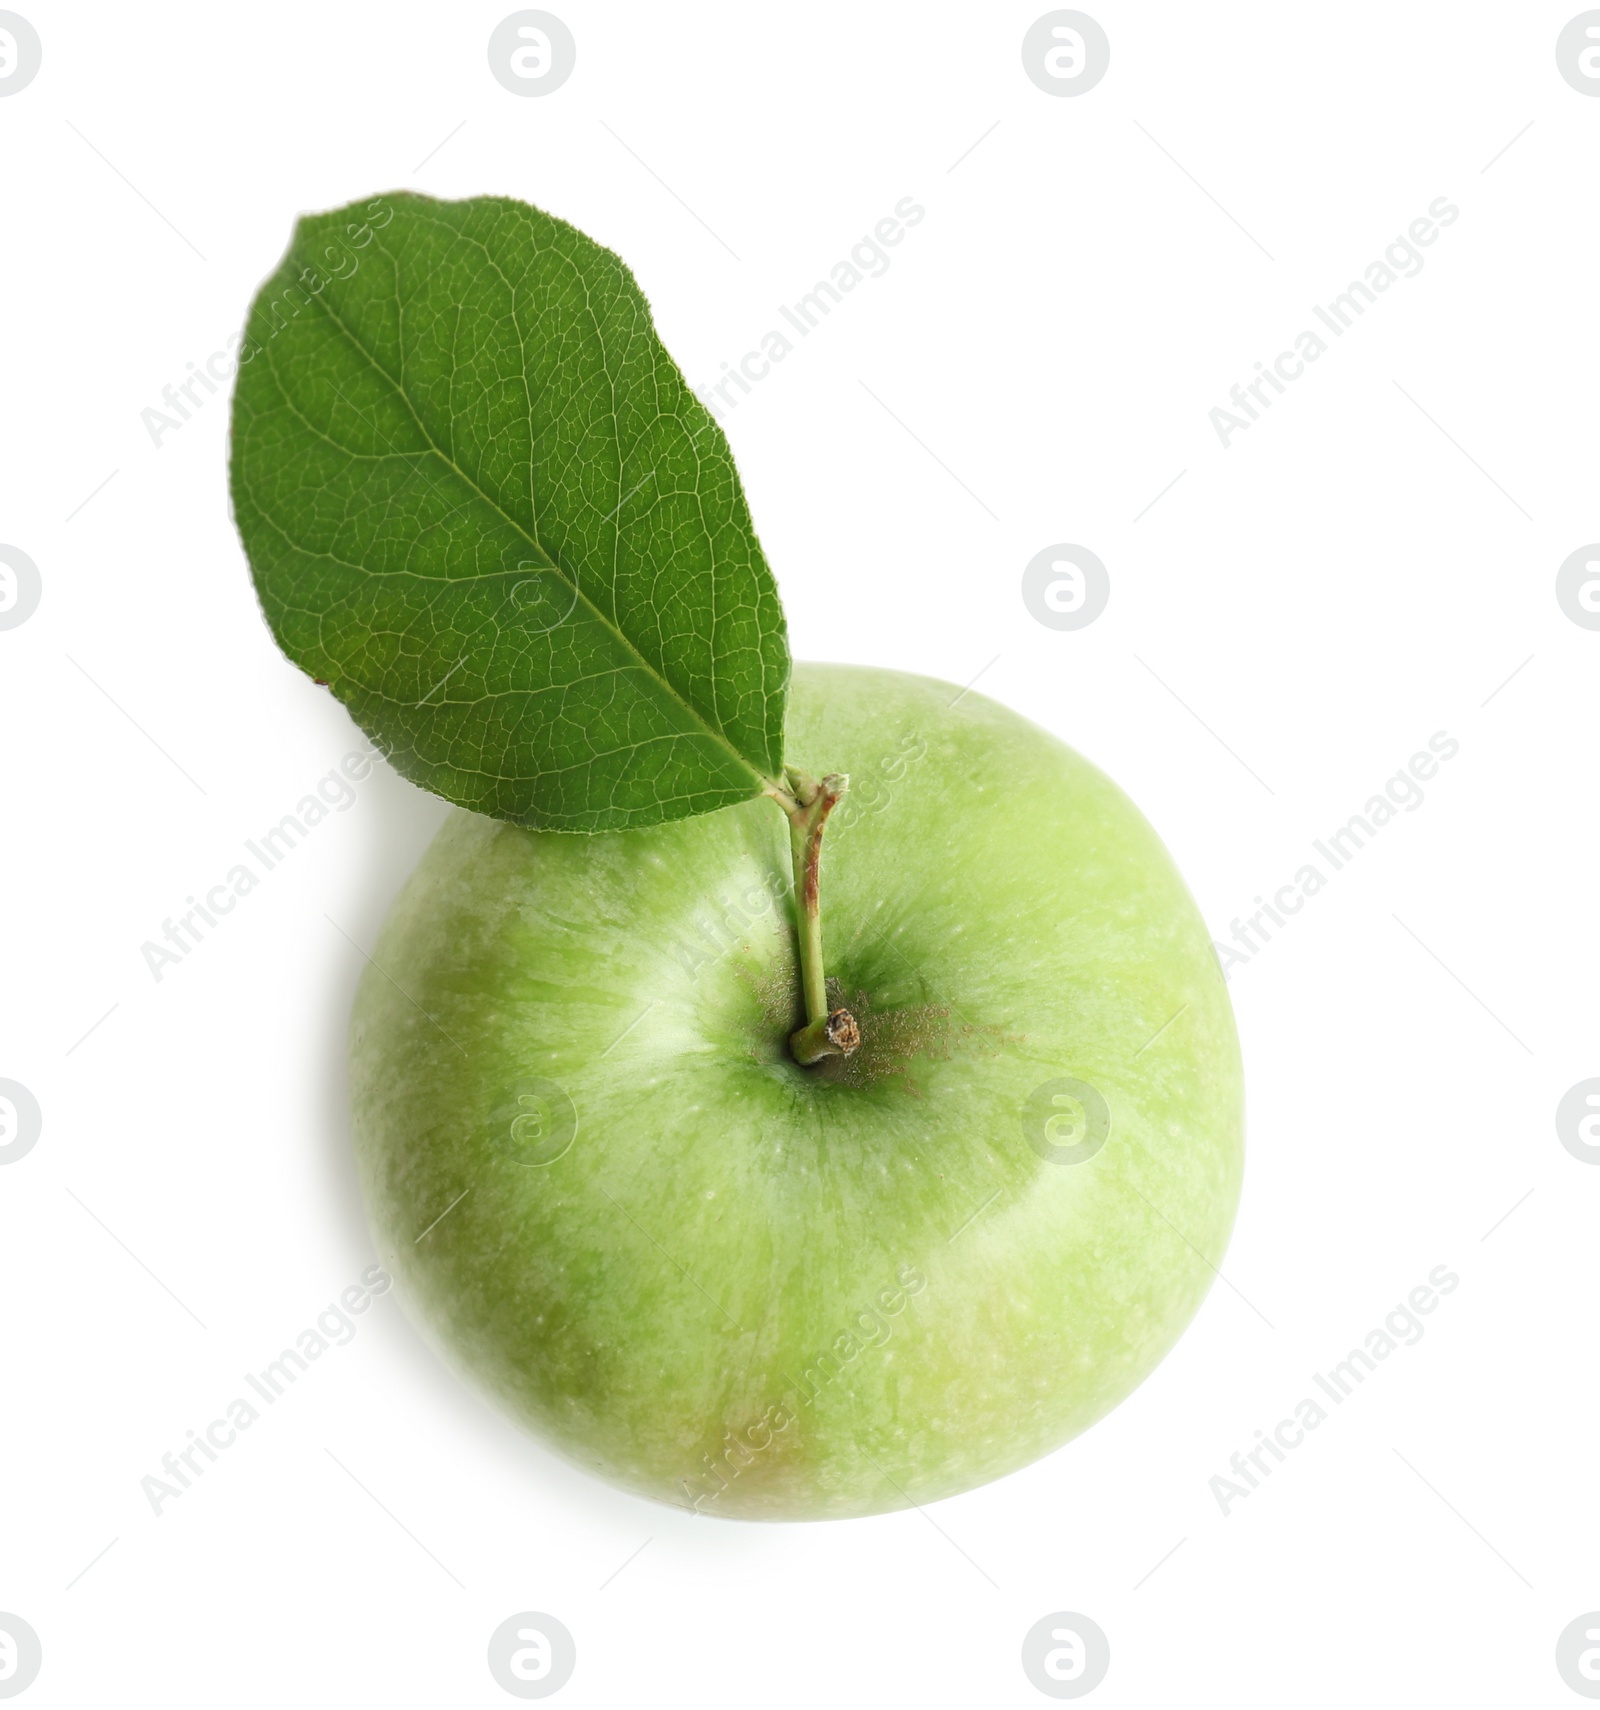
[1365, 566]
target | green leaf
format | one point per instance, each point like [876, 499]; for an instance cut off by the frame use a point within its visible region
[481, 503]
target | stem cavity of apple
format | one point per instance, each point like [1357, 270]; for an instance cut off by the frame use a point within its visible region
[807, 802]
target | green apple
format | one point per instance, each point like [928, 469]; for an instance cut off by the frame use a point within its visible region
[614, 1199]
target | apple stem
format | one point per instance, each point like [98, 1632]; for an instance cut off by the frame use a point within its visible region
[807, 802]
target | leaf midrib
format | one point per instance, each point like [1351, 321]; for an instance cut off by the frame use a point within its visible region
[550, 560]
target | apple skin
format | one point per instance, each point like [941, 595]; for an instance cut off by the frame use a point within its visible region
[767, 1292]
